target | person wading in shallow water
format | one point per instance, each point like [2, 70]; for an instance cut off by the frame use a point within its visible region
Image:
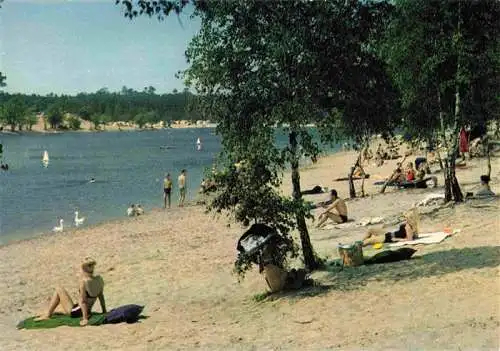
[181, 182]
[167, 190]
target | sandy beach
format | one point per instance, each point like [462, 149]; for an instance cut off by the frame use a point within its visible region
[86, 126]
[178, 263]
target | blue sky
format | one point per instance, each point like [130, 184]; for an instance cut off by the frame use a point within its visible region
[64, 46]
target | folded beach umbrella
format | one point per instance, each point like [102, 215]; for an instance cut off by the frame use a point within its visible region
[257, 237]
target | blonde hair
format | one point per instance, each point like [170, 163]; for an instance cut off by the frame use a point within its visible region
[413, 219]
[88, 265]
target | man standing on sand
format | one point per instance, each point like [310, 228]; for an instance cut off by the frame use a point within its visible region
[181, 182]
[337, 211]
[167, 190]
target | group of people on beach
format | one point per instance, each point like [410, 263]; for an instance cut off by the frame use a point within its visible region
[135, 210]
[168, 185]
[336, 211]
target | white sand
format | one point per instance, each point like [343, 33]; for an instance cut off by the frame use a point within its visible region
[178, 263]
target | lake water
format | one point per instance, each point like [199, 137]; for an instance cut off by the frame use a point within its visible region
[128, 168]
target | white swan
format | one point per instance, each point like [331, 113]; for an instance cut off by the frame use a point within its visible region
[78, 220]
[59, 228]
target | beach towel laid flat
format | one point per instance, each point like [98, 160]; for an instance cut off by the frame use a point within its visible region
[428, 238]
[431, 199]
[58, 320]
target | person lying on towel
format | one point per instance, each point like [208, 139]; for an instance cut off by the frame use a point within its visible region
[337, 211]
[408, 230]
[90, 289]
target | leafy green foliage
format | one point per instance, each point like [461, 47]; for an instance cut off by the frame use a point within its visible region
[428, 55]
[74, 123]
[13, 111]
[258, 65]
[2, 80]
[55, 116]
[159, 8]
[122, 106]
[444, 58]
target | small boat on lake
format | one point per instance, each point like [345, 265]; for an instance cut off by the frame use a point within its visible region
[45, 159]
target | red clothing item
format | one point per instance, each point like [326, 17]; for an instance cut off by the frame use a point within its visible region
[463, 145]
[410, 175]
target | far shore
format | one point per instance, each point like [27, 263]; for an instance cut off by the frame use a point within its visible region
[117, 126]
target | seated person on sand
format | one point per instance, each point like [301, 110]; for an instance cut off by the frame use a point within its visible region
[139, 210]
[90, 289]
[485, 190]
[379, 160]
[131, 210]
[398, 176]
[276, 277]
[337, 211]
[408, 230]
[358, 172]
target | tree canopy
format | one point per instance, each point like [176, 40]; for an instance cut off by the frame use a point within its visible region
[139, 107]
[444, 58]
[260, 65]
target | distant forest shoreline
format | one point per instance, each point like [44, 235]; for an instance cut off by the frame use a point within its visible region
[102, 110]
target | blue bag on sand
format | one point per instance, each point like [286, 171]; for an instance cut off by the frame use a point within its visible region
[126, 313]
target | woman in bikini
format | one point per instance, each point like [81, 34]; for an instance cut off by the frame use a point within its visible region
[408, 230]
[91, 288]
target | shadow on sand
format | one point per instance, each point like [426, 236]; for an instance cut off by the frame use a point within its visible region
[428, 265]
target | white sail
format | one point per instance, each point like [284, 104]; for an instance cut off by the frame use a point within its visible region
[45, 158]
[198, 144]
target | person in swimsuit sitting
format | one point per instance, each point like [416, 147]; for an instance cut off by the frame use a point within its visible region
[91, 288]
[337, 211]
[408, 230]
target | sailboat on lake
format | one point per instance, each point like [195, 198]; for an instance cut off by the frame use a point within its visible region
[45, 159]
[198, 144]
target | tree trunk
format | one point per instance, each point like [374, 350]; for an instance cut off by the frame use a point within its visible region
[452, 178]
[392, 175]
[352, 189]
[307, 249]
[488, 156]
[451, 187]
[441, 166]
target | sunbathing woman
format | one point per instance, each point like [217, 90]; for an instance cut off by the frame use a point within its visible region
[91, 288]
[408, 230]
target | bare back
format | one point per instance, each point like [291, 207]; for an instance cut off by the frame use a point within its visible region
[181, 181]
[339, 206]
[93, 287]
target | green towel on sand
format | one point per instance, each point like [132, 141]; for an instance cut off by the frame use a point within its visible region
[58, 320]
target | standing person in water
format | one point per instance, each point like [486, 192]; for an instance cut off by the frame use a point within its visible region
[181, 182]
[167, 190]
[91, 289]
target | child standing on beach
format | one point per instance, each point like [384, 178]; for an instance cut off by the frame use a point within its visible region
[181, 182]
[167, 190]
